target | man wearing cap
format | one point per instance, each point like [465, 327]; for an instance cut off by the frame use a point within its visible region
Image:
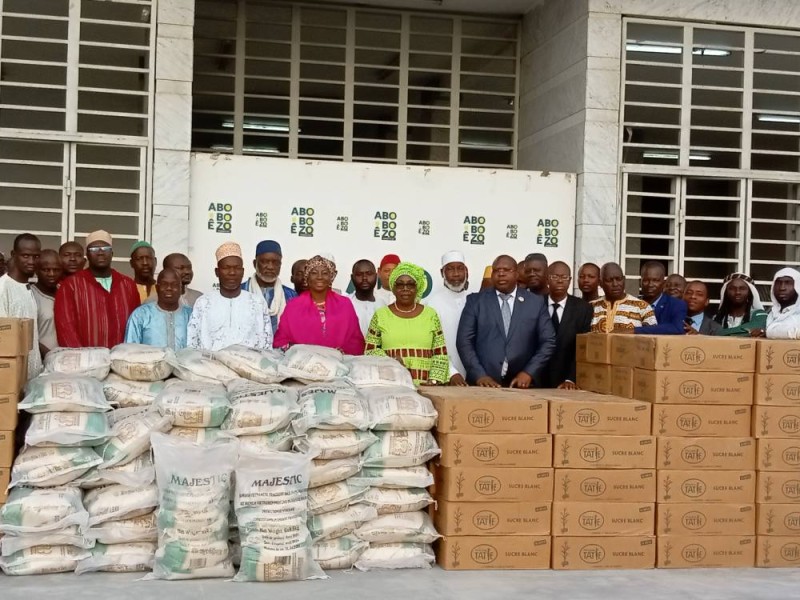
[143, 263]
[93, 305]
[266, 280]
[230, 315]
[449, 302]
[388, 263]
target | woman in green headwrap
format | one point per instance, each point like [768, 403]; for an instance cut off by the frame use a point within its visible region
[408, 331]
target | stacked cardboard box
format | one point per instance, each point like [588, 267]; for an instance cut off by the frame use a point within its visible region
[776, 425]
[494, 479]
[604, 459]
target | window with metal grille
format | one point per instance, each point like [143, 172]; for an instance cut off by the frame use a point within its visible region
[352, 84]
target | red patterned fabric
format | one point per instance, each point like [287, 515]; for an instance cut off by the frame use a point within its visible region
[86, 315]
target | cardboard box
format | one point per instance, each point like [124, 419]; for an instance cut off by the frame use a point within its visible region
[723, 454]
[598, 348]
[622, 381]
[778, 357]
[700, 420]
[500, 450]
[603, 518]
[692, 551]
[722, 487]
[776, 421]
[687, 387]
[581, 342]
[778, 519]
[8, 411]
[778, 487]
[693, 518]
[778, 551]
[5, 479]
[684, 353]
[778, 454]
[6, 448]
[463, 553]
[493, 484]
[777, 390]
[618, 552]
[593, 377]
[605, 485]
[492, 518]
[604, 451]
[16, 337]
[489, 411]
[608, 416]
[13, 374]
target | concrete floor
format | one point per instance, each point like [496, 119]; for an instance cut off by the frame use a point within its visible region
[708, 584]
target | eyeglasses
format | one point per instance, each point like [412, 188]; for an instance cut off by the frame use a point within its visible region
[412, 285]
[97, 249]
[559, 277]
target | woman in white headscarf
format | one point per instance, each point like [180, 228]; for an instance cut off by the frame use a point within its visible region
[783, 321]
[740, 312]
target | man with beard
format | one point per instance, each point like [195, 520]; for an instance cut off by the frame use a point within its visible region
[365, 278]
[48, 275]
[449, 303]
[536, 272]
[73, 258]
[265, 282]
[143, 263]
[183, 266]
[783, 320]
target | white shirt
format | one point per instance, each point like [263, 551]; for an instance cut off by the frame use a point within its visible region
[449, 305]
[17, 302]
[386, 295]
[218, 322]
[365, 309]
[561, 306]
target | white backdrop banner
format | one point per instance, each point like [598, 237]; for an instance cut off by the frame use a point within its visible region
[356, 210]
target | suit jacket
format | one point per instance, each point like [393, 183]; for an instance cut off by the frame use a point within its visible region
[709, 326]
[670, 313]
[576, 317]
[482, 343]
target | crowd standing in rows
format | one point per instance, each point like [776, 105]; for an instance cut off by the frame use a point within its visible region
[519, 330]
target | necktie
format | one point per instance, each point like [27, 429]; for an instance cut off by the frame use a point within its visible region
[506, 312]
[554, 316]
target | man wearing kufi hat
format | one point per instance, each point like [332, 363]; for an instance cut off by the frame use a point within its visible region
[93, 305]
[449, 302]
[229, 315]
[266, 281]
[387, 265]
[143, 262]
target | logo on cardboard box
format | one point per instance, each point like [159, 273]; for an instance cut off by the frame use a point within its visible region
[789, 424]
[485, 520]
[592, 554]
[693, 488]
[791, 456]
[485, 452]
[587, 417]
[791, 489]
[792, 521]
[592, 452]
[591, 520]
[688, 422]
[692, 356]
[691, 390]
[792, 390]
[593, 486]
[693, 553]
[480, 418]
[693, 455]
[488, 485]
[790, 552]
[694, 520]
[484, 554]
[791, 358]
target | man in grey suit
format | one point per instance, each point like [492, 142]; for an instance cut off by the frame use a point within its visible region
[505, 335]
[697, 321]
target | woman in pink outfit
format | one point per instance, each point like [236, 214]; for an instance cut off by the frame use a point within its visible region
[319, 315]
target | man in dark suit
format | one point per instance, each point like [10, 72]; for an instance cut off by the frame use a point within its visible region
[570, 316]
[697, 321]
[505, 335]
[670, 312]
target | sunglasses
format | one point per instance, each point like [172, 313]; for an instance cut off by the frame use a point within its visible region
[97, 249]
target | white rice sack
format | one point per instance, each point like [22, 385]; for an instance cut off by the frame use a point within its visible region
[69, 536]
[328, 526]
[396, 556]
[126, 394]
[271, 508]
[313, 363]
[194, 489]
[394, 477]
[192, 404]
[192, 365]
[330, 445]
[334, 496]
[51, 466]
[68, 429]
[90, 362]
[64, 393]
[33, 511]
[130, 557]
[255, 365]
[366, 371]
[339, 553]
[43, 560]
[324, 472]
[200, 435]
[142, 528]
[388, 501]
[399, 409]
[139, 362]
[334, 405]
[131, 429]
[399, 528]
[113, 502]
[401, 449]
[139, 472]
[281, 440]
[259, 408]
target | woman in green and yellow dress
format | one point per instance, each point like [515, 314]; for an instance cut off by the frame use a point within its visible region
[408, 331]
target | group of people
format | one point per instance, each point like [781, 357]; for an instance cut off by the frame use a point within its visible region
[519, 330]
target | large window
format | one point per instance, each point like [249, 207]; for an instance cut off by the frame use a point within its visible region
[304, 81]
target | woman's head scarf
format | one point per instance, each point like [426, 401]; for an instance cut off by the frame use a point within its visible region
[318, 262]
[416, 273]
